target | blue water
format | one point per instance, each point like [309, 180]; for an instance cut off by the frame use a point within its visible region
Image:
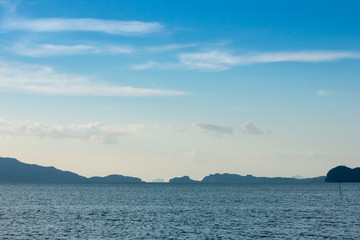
[166, 211]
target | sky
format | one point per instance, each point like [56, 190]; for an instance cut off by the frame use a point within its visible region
[162, 89]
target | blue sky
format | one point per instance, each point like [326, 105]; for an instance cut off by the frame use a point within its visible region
[167, 88]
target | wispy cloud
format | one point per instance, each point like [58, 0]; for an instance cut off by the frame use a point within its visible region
[144, 66]
[91, 132]
[250, 128]
[220, 60]
[208, 60]
[10, 6]
[47, 50]
[172, 127]
[213, 129]
[127, 28]
[325, 93]
[191, 156]
[171, 47]
[38, 79]
[294, 155]
[156, 65]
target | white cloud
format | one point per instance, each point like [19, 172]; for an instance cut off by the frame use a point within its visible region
[191, 156]
[213, 129]
[219, 61]
[209, 60]
[325, 93]
[250, 128]
[127, 28]
[172, 127]
[156, 65]
[46, 50]
[193, 152]
[10, 6]
[144, 66]
[287, 155]
[38, 79]
[170, 47]
[92, 132]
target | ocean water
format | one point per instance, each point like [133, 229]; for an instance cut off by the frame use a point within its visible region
[179, 211]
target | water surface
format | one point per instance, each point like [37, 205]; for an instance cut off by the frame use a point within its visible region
[179, 211]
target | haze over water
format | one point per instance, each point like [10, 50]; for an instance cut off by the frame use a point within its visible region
[179, 211]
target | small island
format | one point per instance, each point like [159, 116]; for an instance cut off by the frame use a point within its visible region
[224, 178]
[184, 179]
[343, 174]
[235, 178]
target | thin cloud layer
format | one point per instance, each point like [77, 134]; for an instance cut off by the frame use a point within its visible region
[10, 6]
[144, 66]
[38, 79]
[47, 50]
[126, 28]
[171, 47]
[91, 132]
[325, 93]
[251, 129]
[212, 128]
[157, 65]
[294, 155]
[219, 61]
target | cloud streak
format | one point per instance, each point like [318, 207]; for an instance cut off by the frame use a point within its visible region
[171, 47]
[251, 129]
[10, 6]
[156, 65]
[213, 129]
[96, 131]
[126, 28]
[325, 93]
[38, 79]
[296, 155]
[47, 50]
[220, 60]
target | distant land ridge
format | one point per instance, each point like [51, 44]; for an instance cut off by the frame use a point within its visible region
[12, 170]
[235, 178]
[184, 179]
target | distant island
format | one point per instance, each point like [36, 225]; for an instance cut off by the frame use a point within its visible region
[158, 180]
[184, 179]
[235, 178]
[343, 174]
[14, 171]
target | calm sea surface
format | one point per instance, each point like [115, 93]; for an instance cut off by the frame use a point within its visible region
[183, 211]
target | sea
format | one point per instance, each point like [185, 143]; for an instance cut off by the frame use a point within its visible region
[180, 211]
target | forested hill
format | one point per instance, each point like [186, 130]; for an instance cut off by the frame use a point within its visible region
[14, 171]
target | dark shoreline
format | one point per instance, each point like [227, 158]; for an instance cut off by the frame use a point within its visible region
[14, 171]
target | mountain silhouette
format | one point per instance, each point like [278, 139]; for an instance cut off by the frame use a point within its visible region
[184, 179]
[343, 174]
[114, 179]
[235, 178]
[14, 171]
